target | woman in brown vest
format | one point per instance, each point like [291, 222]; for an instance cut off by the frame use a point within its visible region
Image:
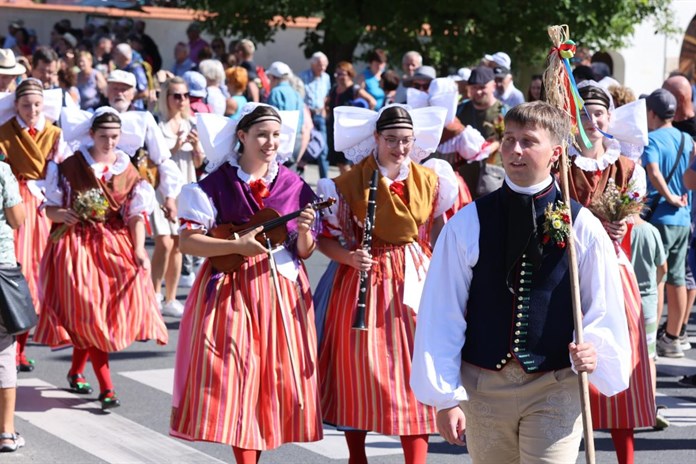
[98, 295]
[590, 173]
[29, 141]
[365, 372]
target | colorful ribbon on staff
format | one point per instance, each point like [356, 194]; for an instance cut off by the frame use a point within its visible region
[567, 51]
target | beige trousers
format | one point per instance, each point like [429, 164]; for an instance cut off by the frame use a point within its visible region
[517, 418]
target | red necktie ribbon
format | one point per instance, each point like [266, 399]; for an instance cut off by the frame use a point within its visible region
[259, 191]
[32, 132]
[398, 189]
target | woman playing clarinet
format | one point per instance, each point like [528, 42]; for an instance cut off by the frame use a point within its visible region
[245, 371]
[364, 373]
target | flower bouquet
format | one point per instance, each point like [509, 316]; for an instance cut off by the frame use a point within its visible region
[617, 204]
[556, 224]
[90, 206]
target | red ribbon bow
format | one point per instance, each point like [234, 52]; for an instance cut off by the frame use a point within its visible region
[32, 132]
[398, 189]
[259, 191]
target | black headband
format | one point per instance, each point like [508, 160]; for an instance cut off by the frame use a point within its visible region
[394, 118]
[594, 96]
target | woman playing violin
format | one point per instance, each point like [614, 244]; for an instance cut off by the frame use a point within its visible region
[246, 361]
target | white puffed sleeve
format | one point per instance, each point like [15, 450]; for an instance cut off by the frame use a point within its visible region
[639, 180]
[142, 200]
[53, 192]
[195, 210]
[449, 187]
[469, 144]
[327, 188]
[170, 179]
[62, 150]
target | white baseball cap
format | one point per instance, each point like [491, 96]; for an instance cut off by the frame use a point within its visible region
[122, 77]
[500, 58]
[279, 69]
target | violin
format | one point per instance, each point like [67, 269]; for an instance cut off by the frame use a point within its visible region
[273, 228]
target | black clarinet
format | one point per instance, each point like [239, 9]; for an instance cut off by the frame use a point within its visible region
[359, 321]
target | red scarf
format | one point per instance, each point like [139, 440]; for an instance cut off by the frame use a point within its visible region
[399, 189]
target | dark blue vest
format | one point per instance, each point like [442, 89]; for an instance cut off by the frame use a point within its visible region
[518, 307]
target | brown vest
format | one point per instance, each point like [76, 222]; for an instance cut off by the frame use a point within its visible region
[27, 156]
[585, 186]
[80, 176]
[396, 222]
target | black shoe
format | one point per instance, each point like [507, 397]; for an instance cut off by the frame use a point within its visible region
[78, 384]
[27, 365]
[109, 400]
[688, 381]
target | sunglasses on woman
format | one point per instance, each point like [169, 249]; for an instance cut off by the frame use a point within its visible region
[180, 96]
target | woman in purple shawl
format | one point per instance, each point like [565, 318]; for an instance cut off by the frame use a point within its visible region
[246, 360]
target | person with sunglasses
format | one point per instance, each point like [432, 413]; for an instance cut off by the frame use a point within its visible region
[421, 78]
[364, 372]
[179, 130]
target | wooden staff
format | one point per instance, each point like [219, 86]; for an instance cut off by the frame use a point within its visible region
[557, 88]
[279, 297]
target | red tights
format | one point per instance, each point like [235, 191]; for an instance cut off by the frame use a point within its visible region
[623, 444]
[100, 364]
[246, 456]
[415, 447]
[21, 344]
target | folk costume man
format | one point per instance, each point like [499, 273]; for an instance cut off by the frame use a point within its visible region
[494, 350]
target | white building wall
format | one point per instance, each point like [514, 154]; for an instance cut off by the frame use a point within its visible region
[651, 57]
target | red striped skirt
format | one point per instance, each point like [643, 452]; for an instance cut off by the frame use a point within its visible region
[93, 293]
[365, 374]
[234, 379]
[30, 241]
[634, 407]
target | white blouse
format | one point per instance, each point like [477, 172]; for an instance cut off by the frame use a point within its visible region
[440, 333]
[469, 145]
[142, 198]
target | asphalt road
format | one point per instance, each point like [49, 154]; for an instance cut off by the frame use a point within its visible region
[61, 427]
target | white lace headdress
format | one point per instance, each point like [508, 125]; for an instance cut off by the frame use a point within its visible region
[442, 92]
[354, 130]
[218, 135]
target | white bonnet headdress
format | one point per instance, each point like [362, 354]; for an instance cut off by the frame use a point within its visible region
[354, 130]
[76, 123]
[53, 102]
[442, 92]
[218, 135]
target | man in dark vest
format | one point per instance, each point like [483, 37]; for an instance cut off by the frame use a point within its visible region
[494, 349]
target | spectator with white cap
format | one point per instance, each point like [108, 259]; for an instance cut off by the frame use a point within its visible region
[409, 63]
[10, 70]
[123, 59]
[284, 97]
[505, 89]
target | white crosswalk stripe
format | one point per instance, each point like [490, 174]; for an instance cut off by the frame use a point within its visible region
[333, 446]
[109, 437]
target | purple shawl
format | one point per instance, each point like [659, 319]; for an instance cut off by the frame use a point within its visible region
[235, 204]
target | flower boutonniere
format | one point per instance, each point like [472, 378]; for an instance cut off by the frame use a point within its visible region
[556, 224]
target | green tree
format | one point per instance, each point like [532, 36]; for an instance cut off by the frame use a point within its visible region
[446, 32]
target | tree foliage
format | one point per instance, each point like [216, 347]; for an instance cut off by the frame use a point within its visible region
[447, 33]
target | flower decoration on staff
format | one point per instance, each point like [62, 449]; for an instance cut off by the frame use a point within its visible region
[559, 83]
[556, 224]
[617, 204]
[90, 206]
